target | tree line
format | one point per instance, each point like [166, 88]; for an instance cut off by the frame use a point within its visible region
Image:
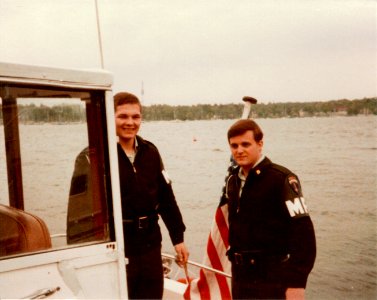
[270, 110]
[76, 113]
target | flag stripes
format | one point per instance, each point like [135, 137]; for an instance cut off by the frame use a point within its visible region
[210, 285]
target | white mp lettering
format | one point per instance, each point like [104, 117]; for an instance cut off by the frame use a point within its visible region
[302, 199]
[296, 207]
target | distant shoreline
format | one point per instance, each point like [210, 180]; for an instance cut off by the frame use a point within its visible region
[32, 114]
[344, 107]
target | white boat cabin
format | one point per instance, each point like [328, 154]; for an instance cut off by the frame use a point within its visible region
[60, 217]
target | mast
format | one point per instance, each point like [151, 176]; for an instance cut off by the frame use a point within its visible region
[142, 92]
[99, 35]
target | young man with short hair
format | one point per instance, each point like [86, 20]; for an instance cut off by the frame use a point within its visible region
[146, 194]
[271, 235]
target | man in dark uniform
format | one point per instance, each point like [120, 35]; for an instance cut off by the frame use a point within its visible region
[146, 194]
[271, 236]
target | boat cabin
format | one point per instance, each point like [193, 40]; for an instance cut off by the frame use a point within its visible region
[60, 215]
[61, 229]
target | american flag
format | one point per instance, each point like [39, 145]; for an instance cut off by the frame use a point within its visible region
[210, 285]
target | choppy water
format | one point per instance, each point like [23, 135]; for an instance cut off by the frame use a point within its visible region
[335, 158]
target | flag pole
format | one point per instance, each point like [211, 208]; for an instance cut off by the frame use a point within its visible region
[248, 101]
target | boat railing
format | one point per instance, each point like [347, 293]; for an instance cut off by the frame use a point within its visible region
[58, 235]
[168, 260]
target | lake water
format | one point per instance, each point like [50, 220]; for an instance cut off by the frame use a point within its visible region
[335, 158]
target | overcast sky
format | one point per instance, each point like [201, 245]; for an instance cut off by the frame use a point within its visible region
[209, 51]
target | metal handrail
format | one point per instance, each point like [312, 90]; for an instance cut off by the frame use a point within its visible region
[192, 263]
[43, 293]
[56, 235]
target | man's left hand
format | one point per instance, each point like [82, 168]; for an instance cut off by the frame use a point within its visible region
[182, 254]
[295, 294]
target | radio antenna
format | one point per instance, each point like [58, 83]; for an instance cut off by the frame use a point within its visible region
[99, 35]
[142, 92]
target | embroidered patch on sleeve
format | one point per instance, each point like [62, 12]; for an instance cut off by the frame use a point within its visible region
[295, 185]
[297, 207]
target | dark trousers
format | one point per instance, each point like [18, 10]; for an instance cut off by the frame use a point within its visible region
[145, 275]
[254, 282]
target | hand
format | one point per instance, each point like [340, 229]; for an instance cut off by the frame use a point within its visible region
[295, 294]
[182, 254]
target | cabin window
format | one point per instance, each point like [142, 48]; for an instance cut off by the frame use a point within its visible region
[54, 169]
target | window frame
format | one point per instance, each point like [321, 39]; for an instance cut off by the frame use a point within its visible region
[97, 131]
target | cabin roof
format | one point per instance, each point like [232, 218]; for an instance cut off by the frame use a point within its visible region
[73, 78]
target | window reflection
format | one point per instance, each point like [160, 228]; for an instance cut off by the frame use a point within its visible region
[83, 223]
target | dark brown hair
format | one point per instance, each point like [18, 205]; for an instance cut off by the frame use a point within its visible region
[126, 98]
[241, 126]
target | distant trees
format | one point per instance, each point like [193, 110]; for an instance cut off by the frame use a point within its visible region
[270, 110]
[55, 114]
[195, 112]
[76, 113]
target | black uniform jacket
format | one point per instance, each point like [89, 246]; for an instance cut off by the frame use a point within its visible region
[271, 218]
[146, 192]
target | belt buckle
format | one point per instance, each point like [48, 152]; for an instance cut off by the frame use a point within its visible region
[238, 258]
[142, 222]
[285, 258]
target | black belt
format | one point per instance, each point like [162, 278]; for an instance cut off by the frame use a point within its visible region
[142, 222]
[252, 258]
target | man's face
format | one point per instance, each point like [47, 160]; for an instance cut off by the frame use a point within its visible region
[245, 150]
[127, 121]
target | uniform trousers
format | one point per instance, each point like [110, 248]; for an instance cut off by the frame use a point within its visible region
[145, 275]
[255, 282]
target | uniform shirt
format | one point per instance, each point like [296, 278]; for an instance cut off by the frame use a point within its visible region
[243, 177]
[146, 192]
[271, 217]
[131, 157]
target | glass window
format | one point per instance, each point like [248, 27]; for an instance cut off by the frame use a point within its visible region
[54, 169]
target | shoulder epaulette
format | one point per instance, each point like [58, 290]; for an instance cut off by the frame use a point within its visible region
[281, 169]
[146, 142]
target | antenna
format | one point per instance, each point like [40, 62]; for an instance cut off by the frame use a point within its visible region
[99, 35]
[142, 91]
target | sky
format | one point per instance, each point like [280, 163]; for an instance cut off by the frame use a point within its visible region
[204, 52]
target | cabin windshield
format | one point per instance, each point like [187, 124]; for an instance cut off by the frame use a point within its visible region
[54, 169]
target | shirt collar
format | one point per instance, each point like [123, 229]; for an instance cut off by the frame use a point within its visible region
[240, 173]
[259, 160]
